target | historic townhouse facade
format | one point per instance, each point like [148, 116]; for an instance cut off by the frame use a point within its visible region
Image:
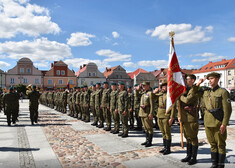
[2, 79]
[24, 73]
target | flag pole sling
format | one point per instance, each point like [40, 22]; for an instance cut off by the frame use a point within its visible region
[181, 127]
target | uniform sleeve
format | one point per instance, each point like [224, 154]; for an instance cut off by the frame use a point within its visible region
[190, 96]
[151, 99]
[227, 107]
[173, 111]
[125, 101]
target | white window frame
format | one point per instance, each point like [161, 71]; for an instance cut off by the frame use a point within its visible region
[21, 70]
[63, 72]
[50, 82]
[60, 81]
[12, 80]
[57, 72]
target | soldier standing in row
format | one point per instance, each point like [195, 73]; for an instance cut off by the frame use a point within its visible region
[113, 103]
[1, 103]
[189, 119]
[146, 112]
[137, 97]
[130, 104]
[105, 106]
[64, 101]
[92, 105]
[34, 96]
[164, 120]
[81, 103]
[218, 110]
[10, 106]
[121, 108]
[78, 113]
[86, 102]
[98, 97]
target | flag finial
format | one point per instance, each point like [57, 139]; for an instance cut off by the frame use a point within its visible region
[171, 34]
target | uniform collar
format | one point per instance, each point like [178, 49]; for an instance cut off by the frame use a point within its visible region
[215, 88]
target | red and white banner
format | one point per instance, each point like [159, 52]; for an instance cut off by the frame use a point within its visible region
[175, 81]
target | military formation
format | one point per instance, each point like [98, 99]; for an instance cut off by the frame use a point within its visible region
[140, 108]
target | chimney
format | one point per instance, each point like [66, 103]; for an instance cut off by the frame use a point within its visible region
[80, 67]
[106, 69]
[210, 61]
[84, 65]
[52, 65]
[223, 59]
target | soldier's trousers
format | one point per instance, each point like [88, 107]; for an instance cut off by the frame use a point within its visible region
[93, 111]
[116, 120]
[99, 113]
[78, 112]
[11, 115]
[107, 116]
[131, 118]
[64, 107]
[33, 112]
[86, 113]
[164, 128]
[138, 119]
[216, 140]
[124, 120]
[148, 125]
[190, 132]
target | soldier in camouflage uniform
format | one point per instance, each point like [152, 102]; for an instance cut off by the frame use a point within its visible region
[98, 97]
[137, 97]
[218, 110]
[113, 103]
[64, 101]
[130, 106]
[78, 105]
[86, 102]
[1, 103]
[33, 105]
[10, 101]
[121, 108]
[92, 105]
[105, 106]
[69, 101]
[81, 103]
[74, 108]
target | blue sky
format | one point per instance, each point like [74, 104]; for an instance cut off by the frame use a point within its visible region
[130, 33]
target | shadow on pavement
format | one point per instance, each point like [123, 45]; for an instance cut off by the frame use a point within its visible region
[13, 149]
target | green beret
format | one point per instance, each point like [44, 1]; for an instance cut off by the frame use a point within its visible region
[34, 86]
[146, 83]
[136, 85]
[85, 86]
[82, 86]
[213, 74]
[113, 83]
[155, 87]
[93, 85]
[11, 88]
[121, 83]
[105, 83]
[77, 87]
[129, 87]
[97, 83]
[191, 76]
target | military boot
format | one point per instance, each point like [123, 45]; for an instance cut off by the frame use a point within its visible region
[189, 153]
[214, 159]
[149, 142]
[193, 160]
[147, 136]
[221, 160]
[164, 146]
[168, 147]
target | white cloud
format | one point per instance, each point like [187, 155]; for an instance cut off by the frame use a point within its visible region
[115, 34]
[80, 39]
[205, 54]
[23, 17]
[77, 62]
[113, 56]
[214, 58]
[190, 66]
[155, 63]
[184, 33]
[41, 64]
[129, 64]
[39, 50]
[231, 39]
[115, 44]
[4, 64]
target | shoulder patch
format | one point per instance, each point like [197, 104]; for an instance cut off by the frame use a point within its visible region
[229, 100]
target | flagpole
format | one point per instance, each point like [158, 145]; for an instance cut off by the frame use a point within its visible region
[179, 110]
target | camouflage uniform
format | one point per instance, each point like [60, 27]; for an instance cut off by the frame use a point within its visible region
[115, 115]
[105, 106]
[98, 109]
[92, 107]
[86, 102]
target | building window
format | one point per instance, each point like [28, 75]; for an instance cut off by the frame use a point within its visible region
[21, 70]
[121, 76]
[36, 81]
[92, 83]
[58, 72]
[94, 74]
[12, 80]
[229, 72]
[61, 81]
[220, 83]
[208, 84]
[28, 70]
[89, 74]
[197, 77]
[71, 81]
[204, 76]
[62, 72]
[229, 82]
[49, 81]
[25, 80]
[82, 81]
[117, 76]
